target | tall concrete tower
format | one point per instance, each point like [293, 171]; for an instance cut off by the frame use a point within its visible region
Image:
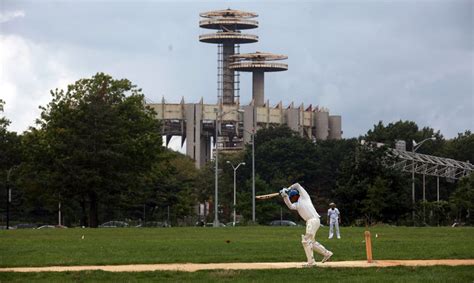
[228, 24]
[228, 123]
[258, 63]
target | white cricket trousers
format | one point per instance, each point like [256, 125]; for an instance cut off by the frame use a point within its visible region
[332, 223]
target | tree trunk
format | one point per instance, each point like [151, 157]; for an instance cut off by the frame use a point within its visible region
[83, 213]
[93, 210]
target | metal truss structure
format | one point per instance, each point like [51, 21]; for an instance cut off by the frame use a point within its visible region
[428, 164]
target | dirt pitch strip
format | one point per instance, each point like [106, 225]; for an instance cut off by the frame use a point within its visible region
[191, 267]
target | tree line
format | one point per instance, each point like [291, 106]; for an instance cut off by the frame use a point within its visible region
[97, 151]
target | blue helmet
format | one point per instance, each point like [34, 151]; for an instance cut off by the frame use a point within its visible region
[293, 195]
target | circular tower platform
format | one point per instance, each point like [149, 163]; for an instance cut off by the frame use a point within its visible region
[258, 66]
[261, 56]
[257, 62]
[228, 20]
[228, 13]
[228, 37]
[228, 23]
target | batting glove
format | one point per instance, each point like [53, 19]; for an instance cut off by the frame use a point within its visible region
[284, 192]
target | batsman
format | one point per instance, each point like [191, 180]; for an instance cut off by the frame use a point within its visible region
[296, 198]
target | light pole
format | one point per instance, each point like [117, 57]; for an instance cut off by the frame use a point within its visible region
[252, 134]
[416, 146]
[235, 173]
[437, 188]
[216, 182]
[219, 115]
[9, 195]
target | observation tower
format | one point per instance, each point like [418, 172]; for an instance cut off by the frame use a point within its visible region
[228, 123]
[258, 63]
[228, 36]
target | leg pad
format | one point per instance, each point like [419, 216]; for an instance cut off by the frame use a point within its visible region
[308, 249]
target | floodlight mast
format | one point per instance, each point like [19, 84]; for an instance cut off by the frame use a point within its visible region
[235, 185]
[414, 148]
[252, 134]
[219, 115]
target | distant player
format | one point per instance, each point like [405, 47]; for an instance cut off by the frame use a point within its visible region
[334, 218]
[296, 198]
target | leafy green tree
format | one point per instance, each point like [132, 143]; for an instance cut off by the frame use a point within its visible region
[94, 142]
[273, 133]
[332, 154]
[461, 147]
[226, 184]
[435, 213]
[375, 201]
[10, 152]
[407, 131]
[401, 130]
[205, 188]
[463, 199]
[265, 211]
[10, 158]
[366, 189]
[174, 184]
[282, 157]
[286, 159]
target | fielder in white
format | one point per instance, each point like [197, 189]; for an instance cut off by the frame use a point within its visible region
[334, 219]
[296, 198]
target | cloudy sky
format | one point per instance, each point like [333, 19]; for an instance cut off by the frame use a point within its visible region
[364, 60]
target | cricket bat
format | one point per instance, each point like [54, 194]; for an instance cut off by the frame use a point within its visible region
[267, 196]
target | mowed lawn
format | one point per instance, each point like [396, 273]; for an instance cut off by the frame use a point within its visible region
[350, 275]
[78, 246]
[239, 244]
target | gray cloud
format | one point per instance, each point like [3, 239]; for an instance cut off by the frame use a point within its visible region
[10, 15]
[364, 60]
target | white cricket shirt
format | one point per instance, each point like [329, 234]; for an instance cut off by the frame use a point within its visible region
[304, 206]
[333, 214]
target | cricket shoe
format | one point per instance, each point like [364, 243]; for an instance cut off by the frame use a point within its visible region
[310, 264]
[326, 257]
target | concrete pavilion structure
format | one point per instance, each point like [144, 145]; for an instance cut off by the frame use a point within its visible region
[197, 123]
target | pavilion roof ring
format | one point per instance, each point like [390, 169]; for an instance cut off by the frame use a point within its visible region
[228, 13]
[259, 56]
[258, 66]
[228, 24]
[231, 37]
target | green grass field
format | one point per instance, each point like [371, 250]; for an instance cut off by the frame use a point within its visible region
[239, 244]
[352, 275]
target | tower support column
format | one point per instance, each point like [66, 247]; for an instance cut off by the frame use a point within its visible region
[228, 74]
[258, 86]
